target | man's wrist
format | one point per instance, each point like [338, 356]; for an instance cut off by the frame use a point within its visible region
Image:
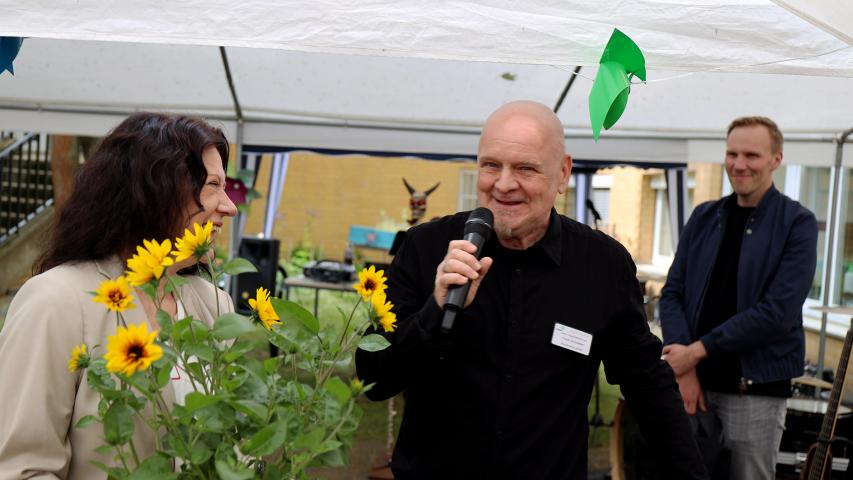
[698, 351]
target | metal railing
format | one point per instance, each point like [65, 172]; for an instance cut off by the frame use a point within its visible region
[26, 186]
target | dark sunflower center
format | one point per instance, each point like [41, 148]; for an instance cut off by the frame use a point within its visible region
[369, 284]
[135, 352]
[116, 296]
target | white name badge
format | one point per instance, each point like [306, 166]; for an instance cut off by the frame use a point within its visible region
[571, 339]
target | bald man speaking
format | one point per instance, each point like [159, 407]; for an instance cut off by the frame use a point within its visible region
[504, 394]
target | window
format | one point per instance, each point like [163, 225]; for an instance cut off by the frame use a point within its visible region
[467, 198]
[814, 195]
[662, 252]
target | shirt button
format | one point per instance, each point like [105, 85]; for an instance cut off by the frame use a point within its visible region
[518, 271]
[749, 231]
[513, 323]
[499, 434]
[508, 378]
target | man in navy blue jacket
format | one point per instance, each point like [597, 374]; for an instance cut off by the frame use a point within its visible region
[731, 309]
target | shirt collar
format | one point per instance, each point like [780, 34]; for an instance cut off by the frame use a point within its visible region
[552, 243]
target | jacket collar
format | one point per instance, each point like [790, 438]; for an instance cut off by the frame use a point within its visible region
[769, 196]
[110, 267]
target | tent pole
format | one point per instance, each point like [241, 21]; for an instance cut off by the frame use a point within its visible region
[831, 247]
[676, 192]
[566, 90]
[583, 186]
[236, 231]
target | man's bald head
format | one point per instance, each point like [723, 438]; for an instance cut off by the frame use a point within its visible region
[546, 120]
[522, 167]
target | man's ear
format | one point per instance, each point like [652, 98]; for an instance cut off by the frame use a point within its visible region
[565, 173]
[777, 159]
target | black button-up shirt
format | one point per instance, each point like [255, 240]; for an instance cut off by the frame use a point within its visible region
[495, 398]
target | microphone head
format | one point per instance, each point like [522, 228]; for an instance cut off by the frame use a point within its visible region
[480, 221]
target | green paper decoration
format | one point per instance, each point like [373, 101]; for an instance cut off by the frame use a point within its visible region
[621, 60]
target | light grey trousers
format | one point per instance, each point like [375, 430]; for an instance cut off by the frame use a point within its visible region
[752, 427]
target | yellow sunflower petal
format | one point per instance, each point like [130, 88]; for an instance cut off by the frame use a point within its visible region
[115, 294]
[132, 349]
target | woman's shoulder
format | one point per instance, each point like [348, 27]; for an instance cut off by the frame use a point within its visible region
[210, 297]
[67, 280]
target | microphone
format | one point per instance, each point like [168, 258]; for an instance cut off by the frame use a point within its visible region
[478, 229]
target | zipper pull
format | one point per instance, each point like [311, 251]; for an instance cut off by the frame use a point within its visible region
[742, 386]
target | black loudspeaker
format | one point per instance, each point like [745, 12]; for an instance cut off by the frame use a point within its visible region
[263, 253]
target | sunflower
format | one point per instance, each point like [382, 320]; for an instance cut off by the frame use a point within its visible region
[79, 358]
[370, 281]
[115, 294]
[149, 262]
[382, 309]
[193, 244]
[132, 349]
[262, 308]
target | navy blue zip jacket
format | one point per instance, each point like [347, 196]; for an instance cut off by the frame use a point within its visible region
[775, 272]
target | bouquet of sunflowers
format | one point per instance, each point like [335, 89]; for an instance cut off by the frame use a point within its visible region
[244, 414]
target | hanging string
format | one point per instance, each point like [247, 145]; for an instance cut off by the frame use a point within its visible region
[726, 68]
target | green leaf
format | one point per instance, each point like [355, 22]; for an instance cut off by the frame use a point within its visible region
[138, 381]
[202, 352]
[197, 400]
[266, 441]
[272, 364]
[238, 265]
[184, 332]
[105, 450]
[100, 466]
[195, 371]
[272, 472]
[154, 468]
[164, 375]
[373, 343]
[215, 418]
[329, 445]
[255, 410]
[165, 321]
[118, 424]
[86, 421]
[149, 289]
[175, 282]
[201, 453]
[293, 312]
[237, 350]
[310, 441]
[340, 390]
[233, 472]
[335, 458]
[232, 325]
[99, 378]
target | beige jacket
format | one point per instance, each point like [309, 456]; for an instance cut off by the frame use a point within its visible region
[40, 400]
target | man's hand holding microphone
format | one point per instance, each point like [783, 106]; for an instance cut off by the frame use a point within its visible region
[459, 275]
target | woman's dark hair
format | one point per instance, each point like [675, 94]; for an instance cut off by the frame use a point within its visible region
[135, 186]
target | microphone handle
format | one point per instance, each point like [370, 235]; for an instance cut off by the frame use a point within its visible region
[457, 294]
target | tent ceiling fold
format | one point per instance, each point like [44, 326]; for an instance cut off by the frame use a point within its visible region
[421, 77]
[736, 36]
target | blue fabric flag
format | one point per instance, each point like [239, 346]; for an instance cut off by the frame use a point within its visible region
[9, 47]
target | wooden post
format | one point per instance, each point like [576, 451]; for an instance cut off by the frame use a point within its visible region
[63, 167]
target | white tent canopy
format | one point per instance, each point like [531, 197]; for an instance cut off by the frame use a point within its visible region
[419, 77]
[426, 74]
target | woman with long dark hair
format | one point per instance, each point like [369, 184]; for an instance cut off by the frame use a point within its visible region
[150, 178]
